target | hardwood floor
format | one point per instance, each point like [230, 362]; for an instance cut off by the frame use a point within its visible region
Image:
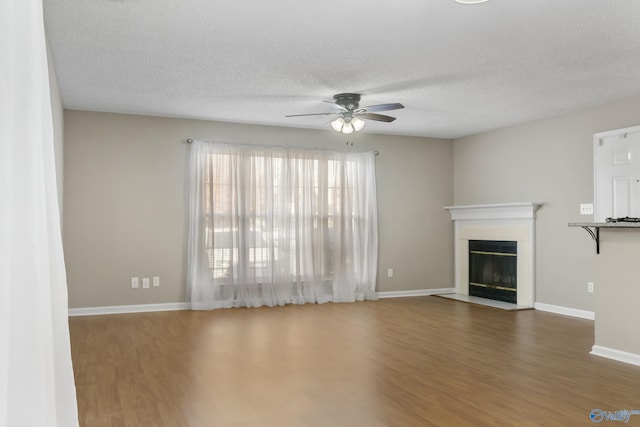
[421, 361]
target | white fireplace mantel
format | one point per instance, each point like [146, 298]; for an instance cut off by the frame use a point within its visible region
[502, 211]
[505, 221]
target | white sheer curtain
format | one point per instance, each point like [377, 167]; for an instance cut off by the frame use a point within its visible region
[36, 376]
[272, 226]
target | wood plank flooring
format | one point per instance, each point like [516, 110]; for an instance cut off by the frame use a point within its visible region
[402, 362]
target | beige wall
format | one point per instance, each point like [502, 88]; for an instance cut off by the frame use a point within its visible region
[548, 161]
[125, 203]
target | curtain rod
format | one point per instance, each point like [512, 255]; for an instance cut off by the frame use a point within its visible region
[190, 140]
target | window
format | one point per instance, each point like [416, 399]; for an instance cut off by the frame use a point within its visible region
[271, 226]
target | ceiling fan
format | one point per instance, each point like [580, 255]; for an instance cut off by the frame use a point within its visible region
[350, 114]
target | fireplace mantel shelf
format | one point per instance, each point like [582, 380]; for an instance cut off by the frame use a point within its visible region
[501, 211]
[593, 228]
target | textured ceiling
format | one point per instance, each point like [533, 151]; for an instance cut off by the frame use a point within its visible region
[458, 69]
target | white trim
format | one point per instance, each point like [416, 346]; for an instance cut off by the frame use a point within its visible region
[120, 309]
[149, 308]
[620, 356]
[566, 311]
[414, 293]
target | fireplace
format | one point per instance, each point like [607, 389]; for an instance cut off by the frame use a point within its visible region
[493, 269]
[513, 222]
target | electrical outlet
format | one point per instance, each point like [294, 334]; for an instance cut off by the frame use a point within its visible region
[586, 209]
[134, 283]
[390, 272]
[590, 287]
[145, 283]
[156, 282]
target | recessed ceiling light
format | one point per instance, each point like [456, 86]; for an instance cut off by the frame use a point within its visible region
[470, 1]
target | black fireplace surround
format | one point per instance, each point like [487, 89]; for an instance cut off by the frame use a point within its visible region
[493, 269]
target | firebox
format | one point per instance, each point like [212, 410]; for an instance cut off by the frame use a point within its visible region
[492, 269]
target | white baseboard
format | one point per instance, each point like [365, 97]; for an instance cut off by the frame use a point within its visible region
[415, 293]
[120, 309]
[573, 312]
[620, 356]
[148, 308]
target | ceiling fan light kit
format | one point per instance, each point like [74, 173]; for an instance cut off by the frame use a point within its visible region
[346, 125]
[351, 115]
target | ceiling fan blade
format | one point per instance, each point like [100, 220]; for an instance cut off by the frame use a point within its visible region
[377, 117]
[333, 103]
[383, 107]
[311, 114]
